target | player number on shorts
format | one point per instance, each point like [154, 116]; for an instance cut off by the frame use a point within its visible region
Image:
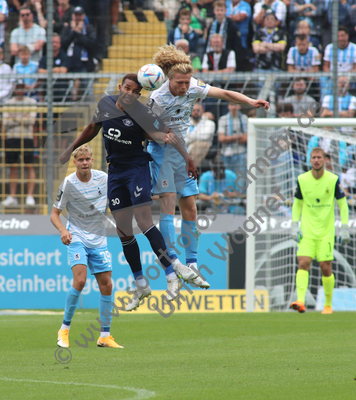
[106, 256]
[115, 202]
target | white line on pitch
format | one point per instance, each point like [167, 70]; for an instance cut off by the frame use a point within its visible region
[141, 394]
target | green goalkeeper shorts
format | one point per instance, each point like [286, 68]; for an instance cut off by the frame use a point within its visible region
[321, 249]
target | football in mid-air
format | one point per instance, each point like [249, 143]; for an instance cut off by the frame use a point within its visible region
[151, 77]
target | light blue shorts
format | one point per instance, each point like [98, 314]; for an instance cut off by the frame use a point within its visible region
[98, 260]
[168, 172]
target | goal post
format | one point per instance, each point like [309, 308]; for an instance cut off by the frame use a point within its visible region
[270, 254]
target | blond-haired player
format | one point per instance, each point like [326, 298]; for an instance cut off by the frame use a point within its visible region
[84, 194]
[173, 102]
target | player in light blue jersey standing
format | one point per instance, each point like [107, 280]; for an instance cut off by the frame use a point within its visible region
[84, 194]
[173, 102]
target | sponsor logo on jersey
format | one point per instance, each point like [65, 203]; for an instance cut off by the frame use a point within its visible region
[201, 84]
[59, 195]
[127, 122]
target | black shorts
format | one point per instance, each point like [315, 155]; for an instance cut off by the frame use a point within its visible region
[14, 156]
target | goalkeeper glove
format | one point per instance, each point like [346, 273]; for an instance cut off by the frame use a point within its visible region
[344, 234]
[297, 234]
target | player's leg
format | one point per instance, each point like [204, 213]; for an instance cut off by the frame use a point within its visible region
[145, 223]
[306, 253]
[189, 232]
[78, 260]
[325, 252]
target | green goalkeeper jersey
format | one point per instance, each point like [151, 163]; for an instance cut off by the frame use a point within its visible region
[318, 196]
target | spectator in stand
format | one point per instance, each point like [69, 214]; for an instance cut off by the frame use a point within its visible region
[60, 66]
[184, 31]
[216, 186]
[114, 12]
[310, 10]
[78, 40]
[285, 110]
[241, 15]
[349, 184]
[38, 8]
[62, 15]
[19, 134]
[260, 9]
[98, 14]
[346, 53]
[5, 83]
[230, 33]
[303, 28]
[183, 44]
[269, 44]
[347, 103]
[232, 131]
[26, 66]
[170, 9]
[218, 60]
[29, 34]
[300, 98]
[4, 13]
[346, 8]
[200, 134]
[303, 58]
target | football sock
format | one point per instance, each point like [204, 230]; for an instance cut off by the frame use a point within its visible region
[132, 255]
[189, 238]
[105, 311]
[328, 283]
[166, 226]
[71, 304]
[302, 282]
[64, 326]
[158, 246]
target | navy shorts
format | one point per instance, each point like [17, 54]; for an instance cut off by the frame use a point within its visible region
[129, 186]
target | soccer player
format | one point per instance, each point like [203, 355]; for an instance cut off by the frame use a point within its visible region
[173, 102]
[83, 193]
[126, 123]
[315, 198]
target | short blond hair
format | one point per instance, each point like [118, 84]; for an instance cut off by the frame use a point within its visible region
[23, 48]
[172, 60]
[82, 150]
[318, 150]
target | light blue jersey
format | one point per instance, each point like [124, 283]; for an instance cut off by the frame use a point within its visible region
[30, 68]
[168, 166]
[86, 205]
[175, 110]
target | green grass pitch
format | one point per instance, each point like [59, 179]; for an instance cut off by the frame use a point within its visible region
[268, 356]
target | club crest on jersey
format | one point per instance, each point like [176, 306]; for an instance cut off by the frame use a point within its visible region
[201, 84]
[127, 122]
[327, 191]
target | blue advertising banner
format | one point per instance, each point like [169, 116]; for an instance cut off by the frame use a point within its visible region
[34, 270]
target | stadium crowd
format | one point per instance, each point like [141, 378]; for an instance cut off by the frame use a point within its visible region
[220, 37]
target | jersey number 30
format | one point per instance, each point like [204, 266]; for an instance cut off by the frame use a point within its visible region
[115, 202]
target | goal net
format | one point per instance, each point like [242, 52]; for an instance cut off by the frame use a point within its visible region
[273, 168]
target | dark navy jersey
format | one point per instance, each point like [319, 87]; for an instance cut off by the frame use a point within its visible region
[123, 130]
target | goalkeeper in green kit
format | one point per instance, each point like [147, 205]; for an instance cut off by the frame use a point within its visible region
[314, 198]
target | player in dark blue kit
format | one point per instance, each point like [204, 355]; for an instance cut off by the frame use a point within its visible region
[126, 123]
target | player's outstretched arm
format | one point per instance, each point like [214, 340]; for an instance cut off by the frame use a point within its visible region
[66, 237]
[89, 133]
[236, 97]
